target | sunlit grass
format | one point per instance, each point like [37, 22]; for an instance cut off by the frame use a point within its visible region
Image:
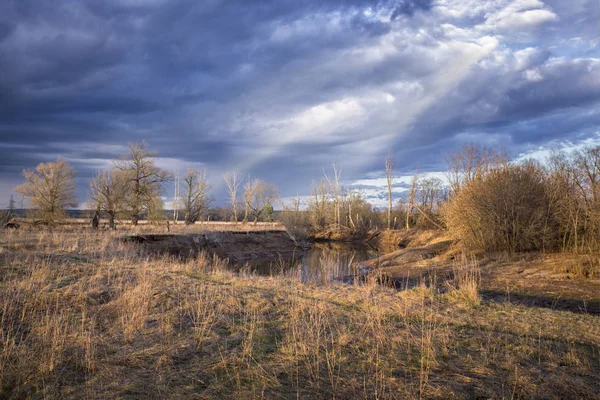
[84, 315]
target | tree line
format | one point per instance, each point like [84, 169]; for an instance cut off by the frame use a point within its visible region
[488, 202]
[132, 189]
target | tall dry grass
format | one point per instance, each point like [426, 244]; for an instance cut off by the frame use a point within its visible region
[466, 279]
[84, 315]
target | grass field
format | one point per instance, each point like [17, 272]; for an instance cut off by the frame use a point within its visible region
[84, 315]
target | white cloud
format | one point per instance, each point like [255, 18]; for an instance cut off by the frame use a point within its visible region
[542, 153]
[533, 75]
[519, 15]
[402, 179]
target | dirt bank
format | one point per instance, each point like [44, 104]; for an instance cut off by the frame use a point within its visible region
[559, 281]
[235, 246]
[388, 239]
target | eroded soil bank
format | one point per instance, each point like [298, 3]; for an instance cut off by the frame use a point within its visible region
[552, 280]
[234, 246]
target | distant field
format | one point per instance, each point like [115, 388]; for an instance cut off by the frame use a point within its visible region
[179, 226]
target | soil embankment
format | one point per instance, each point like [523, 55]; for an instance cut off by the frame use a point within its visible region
[232, 245]
[532, 279]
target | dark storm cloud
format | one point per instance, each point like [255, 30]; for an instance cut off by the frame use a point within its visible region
[282, 88]
[406, 7]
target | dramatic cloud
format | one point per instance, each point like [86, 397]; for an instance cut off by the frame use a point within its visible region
[280, 89]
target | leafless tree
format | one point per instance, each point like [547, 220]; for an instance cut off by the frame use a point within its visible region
[233, 180]
[176, 195]
[586, 164]
[470, 163]
[145, 181]
[108, 192]
[296, 221]
[259, 197]
[318, 205]
[430, 191]
[334, 188]
[411, 198]
[50, 188]
[7, 216]
[389, 176]
[11, 205]
[195, 198]
[359, 213]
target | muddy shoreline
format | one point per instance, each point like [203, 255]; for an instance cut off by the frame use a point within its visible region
[232, 245]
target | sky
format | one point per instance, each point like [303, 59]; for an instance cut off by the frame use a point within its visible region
[281, 89]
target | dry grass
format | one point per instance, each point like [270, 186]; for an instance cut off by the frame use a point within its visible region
[580, 266]
[466, 280]
[86, 316]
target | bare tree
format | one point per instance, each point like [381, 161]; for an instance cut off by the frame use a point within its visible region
[259, 197]
[145, 180]
[471, 163]
[411, 198]
[389, 176]
[195, 198]
[430, 191]
[155, 211]
[586, 164]
[431, 194]
[6, 217]
[50, 188]
[318, 205]
[360, 214]
[11, 205]
[334, 187]
[108, 191]
[233, 181]
[176, 196]
[296, 221]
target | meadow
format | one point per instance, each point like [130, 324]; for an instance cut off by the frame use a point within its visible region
[86, 315]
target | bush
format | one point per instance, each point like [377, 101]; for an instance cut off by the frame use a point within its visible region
[507, 209]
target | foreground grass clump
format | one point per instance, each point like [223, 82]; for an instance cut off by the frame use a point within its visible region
[84, 315]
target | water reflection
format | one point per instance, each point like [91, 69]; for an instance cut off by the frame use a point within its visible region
[323, 263]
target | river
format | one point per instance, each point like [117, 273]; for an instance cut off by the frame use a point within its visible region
[324, 262]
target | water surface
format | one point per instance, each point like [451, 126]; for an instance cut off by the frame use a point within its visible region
[323, 263]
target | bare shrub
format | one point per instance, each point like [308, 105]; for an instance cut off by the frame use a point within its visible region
[505, 210]
[574, 187]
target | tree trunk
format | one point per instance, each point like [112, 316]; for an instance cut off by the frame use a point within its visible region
[96, 220]
[111, 220]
